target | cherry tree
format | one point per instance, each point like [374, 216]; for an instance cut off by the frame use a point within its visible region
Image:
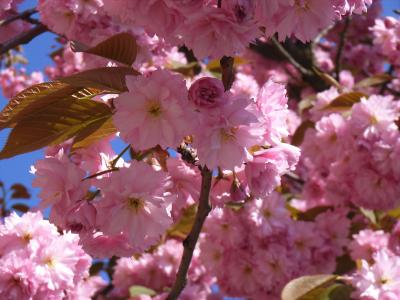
[261, 156]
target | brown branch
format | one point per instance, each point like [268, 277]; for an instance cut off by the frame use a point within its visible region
[190, 242]
[23, 38]
[290, 58]
[25, 15]
[339, 53]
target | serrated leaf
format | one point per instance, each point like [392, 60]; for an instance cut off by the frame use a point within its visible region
[374, 80]
[33, 98]
[94, 132]
[57, 123]
[121, 48]
[298, 135]
[20, 207]
[307, 287]
[138, 290]
[19, 191]
[345, 101]
[109, 79]
[183, 226]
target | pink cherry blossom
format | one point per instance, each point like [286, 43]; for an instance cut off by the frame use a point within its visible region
[155, 111]
[135, 198]
[379, 279]
[207, 93]
[220, 33]
[225, 138]
[264, 171]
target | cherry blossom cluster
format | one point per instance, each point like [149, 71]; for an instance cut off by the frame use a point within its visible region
[255, 251]
[378, 254]
[358, 163]
[156, 270]
[302, 146]
[225, 30]
[13, 80]
[38, 263]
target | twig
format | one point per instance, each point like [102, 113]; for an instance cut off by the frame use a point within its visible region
[316, 41]
[219, 3]
[290, 58]
[190, 242]
[115, 160]
[100, 173]
[23, 38]
[338, 59]
[25, 15]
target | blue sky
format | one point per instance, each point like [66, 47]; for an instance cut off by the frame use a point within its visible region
[17, 169]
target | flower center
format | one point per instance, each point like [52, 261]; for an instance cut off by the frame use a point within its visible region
[50, 262]
[302, 4]
[267, 213]
[228, 134]
[135, 204]
[154, 109]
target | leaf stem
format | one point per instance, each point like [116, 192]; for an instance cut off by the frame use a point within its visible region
[189, 243]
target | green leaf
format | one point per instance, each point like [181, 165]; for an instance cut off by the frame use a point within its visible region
[94, 133]
[20, 207]
[345, 101]
[121, 48]
[109, 79]
[183, 226]
[298, 135]
[53, 125]
[307, 287]
[336, 291]
[138, 290]
[19, 191]
[33, 98]
[374, 80]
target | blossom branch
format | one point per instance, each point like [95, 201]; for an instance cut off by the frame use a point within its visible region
[290, 58]
[189, 243]
[338, 58]
[25, 15]
[23, 38]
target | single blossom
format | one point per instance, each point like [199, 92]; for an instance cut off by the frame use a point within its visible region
[135, 198]
[154, 111]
